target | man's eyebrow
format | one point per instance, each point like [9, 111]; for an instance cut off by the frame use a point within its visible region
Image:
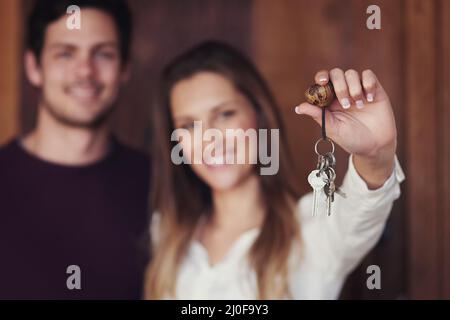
[107, 44]
[74, 46]
[58, 45]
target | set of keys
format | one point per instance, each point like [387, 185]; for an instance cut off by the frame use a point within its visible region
[322, 180]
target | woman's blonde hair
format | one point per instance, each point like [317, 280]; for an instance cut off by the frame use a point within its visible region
[181, 198]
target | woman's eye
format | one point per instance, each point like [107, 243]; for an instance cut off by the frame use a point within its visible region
[188, 126]
[227, 114]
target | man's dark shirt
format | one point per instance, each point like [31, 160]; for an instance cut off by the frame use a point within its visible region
[54, 216]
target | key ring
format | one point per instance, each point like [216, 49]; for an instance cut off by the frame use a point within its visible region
[326, 139]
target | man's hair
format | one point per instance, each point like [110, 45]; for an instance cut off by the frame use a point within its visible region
[46, 12]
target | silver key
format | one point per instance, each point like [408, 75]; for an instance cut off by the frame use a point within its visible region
[330, 187]
[330, 160]
[321, 163]
[317, 182]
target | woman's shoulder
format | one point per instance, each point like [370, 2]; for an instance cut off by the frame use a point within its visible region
[303, 208]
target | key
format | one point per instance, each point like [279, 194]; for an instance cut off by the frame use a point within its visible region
[321, 163]
[330, 188]
[317, 182]
[330, 159]
[326, 190]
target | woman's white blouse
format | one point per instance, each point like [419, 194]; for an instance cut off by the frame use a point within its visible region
[332, 246]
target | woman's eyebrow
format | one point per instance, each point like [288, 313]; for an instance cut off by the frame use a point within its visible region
[222, 104]
[179, 118]
[182, 118]
[216, 108]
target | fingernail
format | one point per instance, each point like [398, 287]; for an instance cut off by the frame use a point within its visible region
[370, 97]
[297, 110]
[360, 104]
[345, 103]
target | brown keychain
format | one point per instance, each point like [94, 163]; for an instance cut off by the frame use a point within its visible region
[321, 96]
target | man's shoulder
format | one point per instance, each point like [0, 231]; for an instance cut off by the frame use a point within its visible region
[133, 164]
[8, 149]
[132, 155]
[10, 156]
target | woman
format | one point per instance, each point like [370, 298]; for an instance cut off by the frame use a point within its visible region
[224, 231]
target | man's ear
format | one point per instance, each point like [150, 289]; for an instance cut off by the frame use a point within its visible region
[125, 73]
[32, 69]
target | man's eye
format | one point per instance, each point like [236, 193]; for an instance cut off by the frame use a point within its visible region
[64, 55]
[106, 55]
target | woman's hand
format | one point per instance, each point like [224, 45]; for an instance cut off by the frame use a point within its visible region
[360, 120]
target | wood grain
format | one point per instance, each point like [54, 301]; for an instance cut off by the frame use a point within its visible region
[444, 142]
[9, 66]
[424, 228]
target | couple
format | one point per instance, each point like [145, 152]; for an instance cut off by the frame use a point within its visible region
[75, 218]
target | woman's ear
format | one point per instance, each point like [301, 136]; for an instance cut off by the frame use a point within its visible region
[32, 69]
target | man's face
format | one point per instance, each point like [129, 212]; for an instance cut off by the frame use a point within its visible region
[80, 71]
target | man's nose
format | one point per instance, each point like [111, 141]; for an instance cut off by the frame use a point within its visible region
[84, 67]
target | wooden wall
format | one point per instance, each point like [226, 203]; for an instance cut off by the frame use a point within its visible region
[289, 40]
[426, 54]
[444, 144]
[10, 56]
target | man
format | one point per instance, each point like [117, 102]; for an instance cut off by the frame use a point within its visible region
[73, 200]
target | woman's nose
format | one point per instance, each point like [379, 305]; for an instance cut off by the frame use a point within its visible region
[214, 136]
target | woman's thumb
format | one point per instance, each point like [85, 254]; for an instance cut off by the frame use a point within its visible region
[310, 110]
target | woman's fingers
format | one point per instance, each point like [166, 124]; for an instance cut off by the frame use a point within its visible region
[369, 81]
[340, 87]
[354, 87]
[322, 77]
[350, 87]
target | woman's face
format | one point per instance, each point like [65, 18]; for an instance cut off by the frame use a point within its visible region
[213, 100]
